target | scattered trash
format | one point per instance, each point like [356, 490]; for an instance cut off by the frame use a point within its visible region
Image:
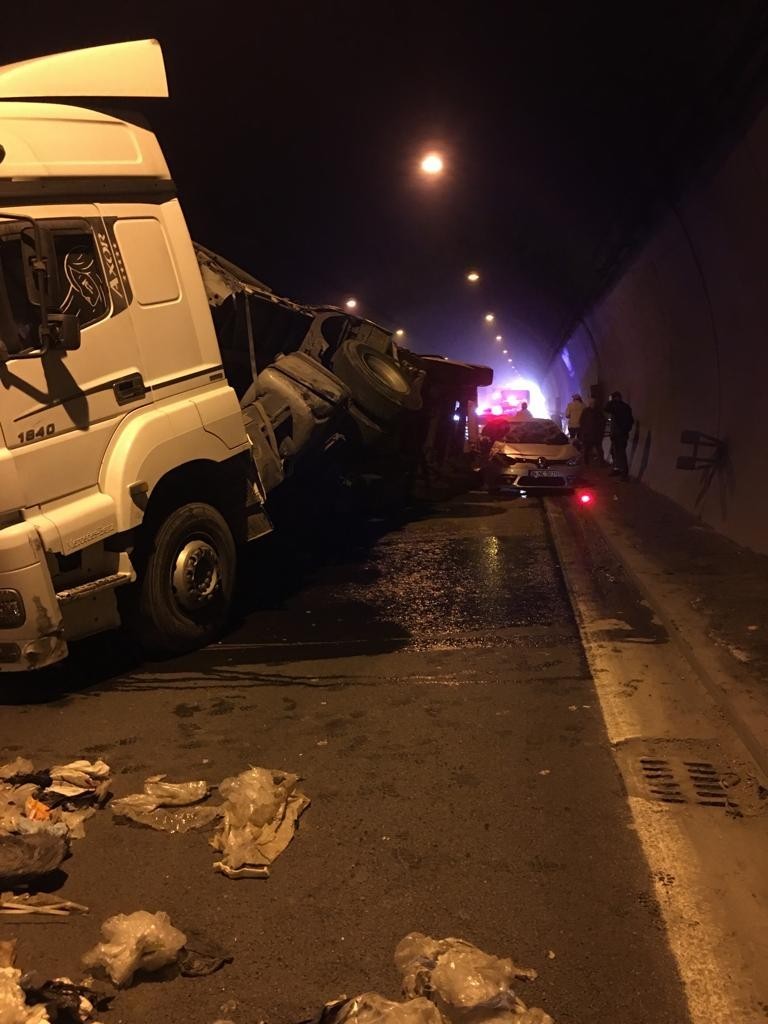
[63, 1001]
[752, 629]
[739, 654]
[165, 806]
[13, 1003]
[545, 771]
[40, 811]
[133, 942]
[550, 954]
[80, 780]
[463, 982]
[30, 856]
[260, 812]
[372, 1008]
[15, 904]
[229, 1006]
[201, 956]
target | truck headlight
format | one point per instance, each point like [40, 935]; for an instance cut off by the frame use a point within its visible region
[12, 611]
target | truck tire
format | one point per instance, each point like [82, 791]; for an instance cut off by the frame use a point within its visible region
[378, 384]
[186, 581]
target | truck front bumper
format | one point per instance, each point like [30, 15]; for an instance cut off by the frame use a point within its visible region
[31, 631]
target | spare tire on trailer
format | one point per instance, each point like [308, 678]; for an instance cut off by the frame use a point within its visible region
[379, 385]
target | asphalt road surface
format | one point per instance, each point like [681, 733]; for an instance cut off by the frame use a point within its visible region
[428, 683]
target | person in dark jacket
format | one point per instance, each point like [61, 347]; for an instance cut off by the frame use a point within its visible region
[620, 413]
[592, 430]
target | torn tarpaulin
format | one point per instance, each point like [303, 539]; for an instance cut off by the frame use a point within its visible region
[261, 809]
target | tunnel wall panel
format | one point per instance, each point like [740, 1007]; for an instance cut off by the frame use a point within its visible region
[684, 336]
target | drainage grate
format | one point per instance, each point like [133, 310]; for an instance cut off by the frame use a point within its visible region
[687, 782]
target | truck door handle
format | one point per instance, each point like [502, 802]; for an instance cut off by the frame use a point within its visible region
[128, 389]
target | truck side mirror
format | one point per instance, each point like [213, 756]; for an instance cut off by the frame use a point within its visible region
[64, 331]
[41, 267]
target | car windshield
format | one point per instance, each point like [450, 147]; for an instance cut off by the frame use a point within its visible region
[535, 432]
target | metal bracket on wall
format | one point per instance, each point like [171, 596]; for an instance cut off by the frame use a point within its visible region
[714, 453]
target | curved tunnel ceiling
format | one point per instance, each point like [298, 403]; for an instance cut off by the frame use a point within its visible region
[293, 134]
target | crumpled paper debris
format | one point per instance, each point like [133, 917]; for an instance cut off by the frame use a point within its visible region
[465, 984]
[168, 806]
[133, 942]
[261, 809]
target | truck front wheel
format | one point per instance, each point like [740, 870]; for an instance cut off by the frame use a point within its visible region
[186, 581]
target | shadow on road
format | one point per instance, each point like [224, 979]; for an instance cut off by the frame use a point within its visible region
[290, 601]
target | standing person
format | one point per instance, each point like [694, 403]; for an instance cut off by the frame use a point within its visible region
[523, 413]
[592, 430]
[573, 413]
[622, 419]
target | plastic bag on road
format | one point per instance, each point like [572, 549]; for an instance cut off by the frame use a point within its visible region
[165, 806]
[13, 1003]
[138, 941]
[261, 809]
[29, 856]
[465, 983]
[372, 1008]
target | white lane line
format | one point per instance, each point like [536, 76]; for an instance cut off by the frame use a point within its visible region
[708, 871]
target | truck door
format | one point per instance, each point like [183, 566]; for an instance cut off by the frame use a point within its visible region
[58, 411]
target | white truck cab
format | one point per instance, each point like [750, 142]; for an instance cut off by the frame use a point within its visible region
[126, 456]
[93, 423]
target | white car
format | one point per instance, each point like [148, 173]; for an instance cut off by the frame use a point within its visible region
[533, 454]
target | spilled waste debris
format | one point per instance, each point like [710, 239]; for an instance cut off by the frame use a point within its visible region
[444, 981]
[259, 815]
[261, 810]
[135, 942]
[463, 982]
[22, 904]
[169, 806]
[26, 998]
[42, 810]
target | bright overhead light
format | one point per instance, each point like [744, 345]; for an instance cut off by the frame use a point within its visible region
[489, 318]
[509, 360]
[351, 303]
[504, 351]
[473, 276]
[399, 332]
[432, 164]
[498, 337]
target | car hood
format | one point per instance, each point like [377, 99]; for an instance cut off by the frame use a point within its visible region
[550, 452]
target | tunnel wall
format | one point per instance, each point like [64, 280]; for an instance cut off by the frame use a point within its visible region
[683, 335]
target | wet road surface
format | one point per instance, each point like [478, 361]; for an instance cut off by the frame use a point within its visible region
[429, 685]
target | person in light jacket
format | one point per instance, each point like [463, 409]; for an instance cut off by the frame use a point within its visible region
[573, 412]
